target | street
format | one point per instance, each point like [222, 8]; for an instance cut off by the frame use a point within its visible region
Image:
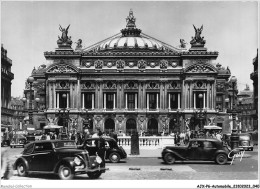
[153, 168]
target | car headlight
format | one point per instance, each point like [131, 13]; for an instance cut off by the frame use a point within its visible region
[98, 160]
[77, 161]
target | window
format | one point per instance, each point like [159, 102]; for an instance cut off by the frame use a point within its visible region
[152, 100]
[40, 147]
[109, 100]
[174, 100]
[131, 100]
[62, 99]
[29, 149]
[88, 100]
[208, 144]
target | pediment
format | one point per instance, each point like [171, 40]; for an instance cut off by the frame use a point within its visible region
[62, 68]
[201, 68]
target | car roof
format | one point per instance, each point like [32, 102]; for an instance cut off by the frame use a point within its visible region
[205, 139]
[50, 141]
[106, 139]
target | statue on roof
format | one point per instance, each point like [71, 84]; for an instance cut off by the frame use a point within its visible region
[183, 43]
[64, 40]
[198, 40]
[79, 44]
[130, 20]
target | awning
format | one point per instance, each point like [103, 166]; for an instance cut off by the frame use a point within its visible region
[212, 127]
[52, 127]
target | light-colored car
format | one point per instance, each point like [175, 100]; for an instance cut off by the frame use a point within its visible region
[18, 140]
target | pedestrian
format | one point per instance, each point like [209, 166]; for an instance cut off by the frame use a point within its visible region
[6, 167]
[48, 136]
[113, 135]
[100, 144]
[72, 137]
[186, 138]
[218, 136]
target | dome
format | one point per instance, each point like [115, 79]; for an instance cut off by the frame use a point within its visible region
[131, 38]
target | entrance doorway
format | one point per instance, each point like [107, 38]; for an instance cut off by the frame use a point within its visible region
[173, 126]
[109, 125]
[130, 126]
[152, 126]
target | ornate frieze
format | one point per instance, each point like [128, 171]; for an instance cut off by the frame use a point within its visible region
[109, 85]
[87, 85]
[141, 65]
[131, 85]
[174, 85]
[200, 85]
[163, 64]
[199, 69]
[61, 68]
[174, 64]
[131, 64]
[152, 85]
[98, 64]
[62, 85]
[120, 64]
[87, 64]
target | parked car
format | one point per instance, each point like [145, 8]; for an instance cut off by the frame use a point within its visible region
[60, 157]
[199, 149]
[113, 152]
[30, 138]
[245, 141]
[18, 140]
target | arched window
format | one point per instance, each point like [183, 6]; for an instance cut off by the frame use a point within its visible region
[130, 126]
[109, 125]
[152, 126]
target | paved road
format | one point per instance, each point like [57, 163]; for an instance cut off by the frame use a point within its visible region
[151, 168]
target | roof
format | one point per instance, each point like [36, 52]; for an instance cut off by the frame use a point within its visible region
[131, 38]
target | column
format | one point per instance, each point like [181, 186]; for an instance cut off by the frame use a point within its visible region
[58, 100]
[54, 95]
[157, 101]
[92, 101]
[83, 100]
[50, 95]
[78, 100]
[179, 101]
[125, 100]
[191, 95]
[194, 100]
[147, 101]
[135, 101]
[105, 100]
[67, 100]
[204, 100]
[212, 96]
[208, 96]
[169, 101]
[114, 105]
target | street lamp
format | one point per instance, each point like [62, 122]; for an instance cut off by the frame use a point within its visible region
[234, 136]
[64, 114]
[30, 80]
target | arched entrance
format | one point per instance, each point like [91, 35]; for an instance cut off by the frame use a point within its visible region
[152, 126]
[173, 126]
[88, 124]
[109, 125]
[130, 126]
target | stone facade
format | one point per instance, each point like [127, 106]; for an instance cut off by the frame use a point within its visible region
[132, 81]
[6, 81]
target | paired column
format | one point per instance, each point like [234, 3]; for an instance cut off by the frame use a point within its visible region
[169, 101]
[135, 101]
[105, 100]
[147, 101]
[114, 102]
[179, 100]
[125, 100]
[83, 101]
[93, 101]
[194, 100]
[157, 101]
[68, 100]
[54, 95]
[58, 100]
[204, 100]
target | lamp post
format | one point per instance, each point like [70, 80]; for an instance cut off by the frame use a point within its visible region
[30, 80]
[234, 136]
[65, 113]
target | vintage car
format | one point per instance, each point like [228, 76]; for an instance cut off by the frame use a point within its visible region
[18, 140]
[199, 149]
[113, 152]
[59, 157]
[245, 141]
[30, 138]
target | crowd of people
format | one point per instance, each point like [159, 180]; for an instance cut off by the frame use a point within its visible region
[183, 138]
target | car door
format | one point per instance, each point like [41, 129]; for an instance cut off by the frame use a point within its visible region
[194, 150]
[43, 157]
[209, 149]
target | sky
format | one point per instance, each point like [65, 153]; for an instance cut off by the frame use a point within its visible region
[29, 28]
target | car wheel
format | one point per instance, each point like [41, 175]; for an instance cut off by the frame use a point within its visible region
[221, 159]
[65, 172]
[114, 157]
[94, 175]
[21, 169]
[169, 158]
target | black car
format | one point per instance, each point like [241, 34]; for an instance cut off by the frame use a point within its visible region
[60, 157]
[113, 152]
[199, 149]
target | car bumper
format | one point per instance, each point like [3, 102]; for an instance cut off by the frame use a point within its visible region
[11, 145]
[79, 169]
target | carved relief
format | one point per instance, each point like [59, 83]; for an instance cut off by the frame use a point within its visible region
[130, 64]
[87, 85]
[200, 85]
[152, 85]
[98, 64]
[109, 85]
[62, 85]
[131, 85]
[61, 69]
[141, 65]
[174, 64]
[109, 64]
[174, 85]
[120, 64]
[163, 64]
[200, 68]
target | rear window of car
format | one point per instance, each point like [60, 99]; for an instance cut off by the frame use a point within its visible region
[65, 144]
[28, 149]
[208, 144]
[244, 137]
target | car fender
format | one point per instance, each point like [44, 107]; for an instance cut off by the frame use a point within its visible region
[21, 159]
[69, 161]
[109, 151]
[173, 152]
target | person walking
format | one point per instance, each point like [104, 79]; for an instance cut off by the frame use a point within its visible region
[100, 144]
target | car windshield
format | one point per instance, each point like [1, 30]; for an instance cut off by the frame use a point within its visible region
[65, 144]
[244, 137]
